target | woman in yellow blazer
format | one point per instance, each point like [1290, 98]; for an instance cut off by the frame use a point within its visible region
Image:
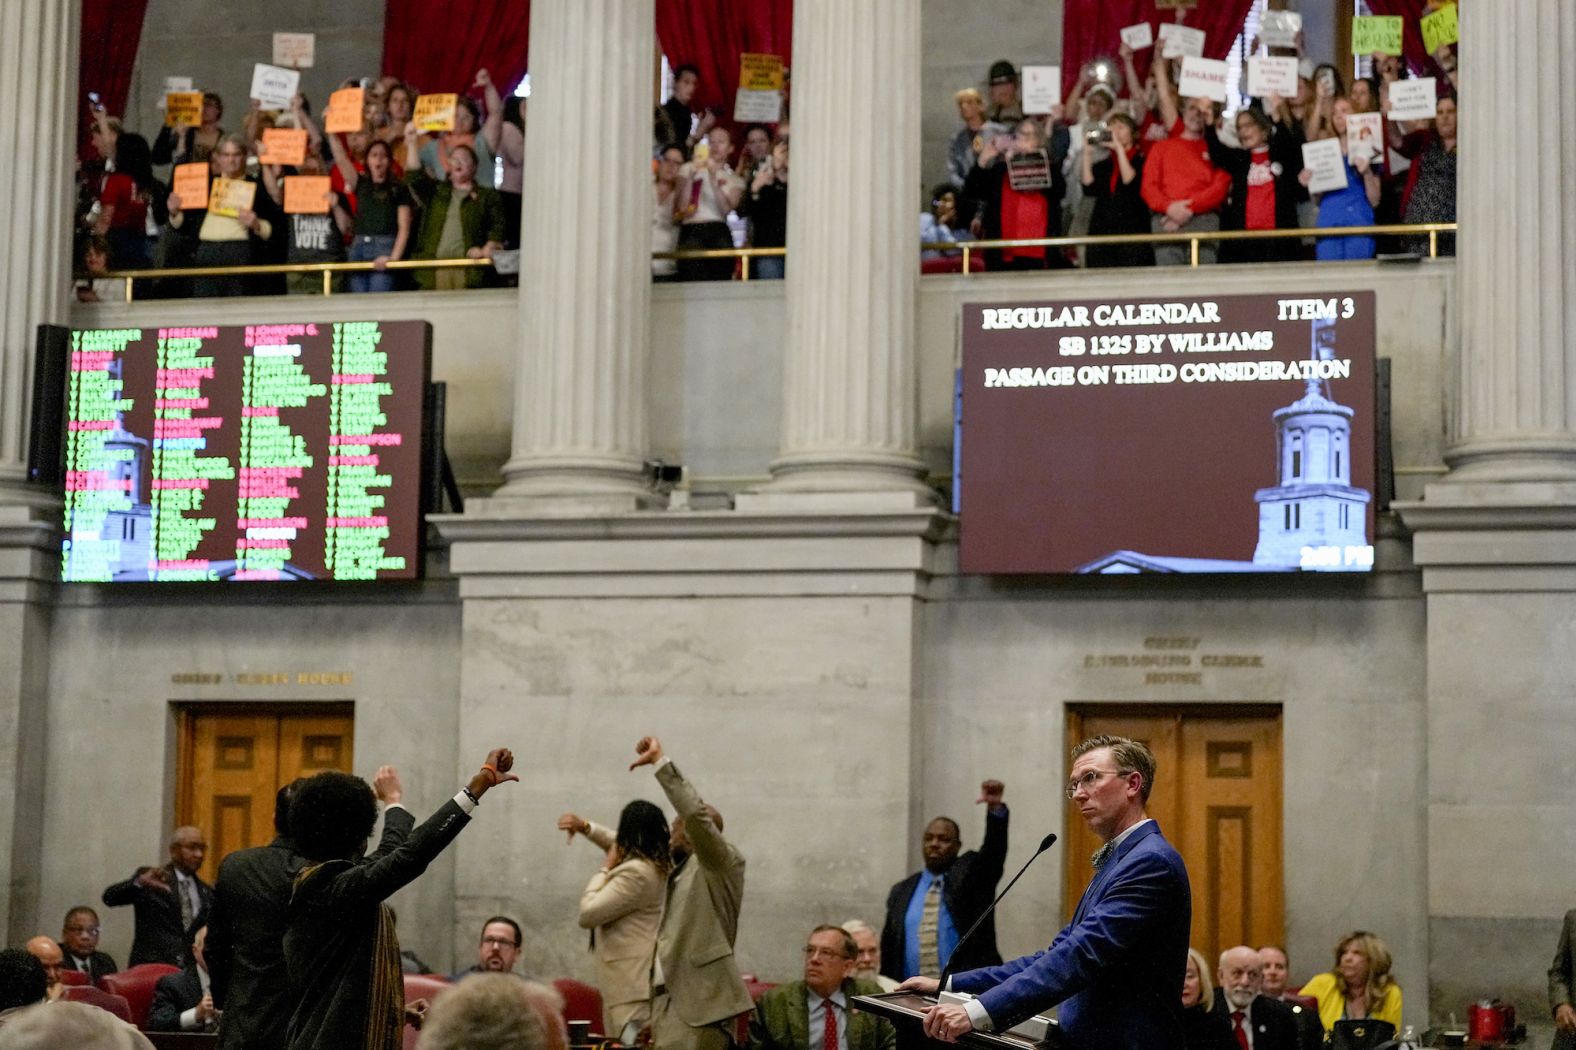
[1359, 985]
[622, 907]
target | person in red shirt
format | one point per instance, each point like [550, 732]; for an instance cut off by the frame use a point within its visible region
[1183, 187]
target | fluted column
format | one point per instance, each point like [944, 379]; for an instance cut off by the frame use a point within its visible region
[585, 277]
[1515, 414]
[850, 394]
[38, 80]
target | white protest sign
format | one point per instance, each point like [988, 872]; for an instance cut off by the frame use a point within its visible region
[1042, 89]
[1139, 36]
[1203, 78]
[1268, 75]
[173, 85]
[1413, 99]
[1364, 136]
[1178, 41]
[757, 107]
[274, 87]
[1324, 160]
[1280, 28]
[294, 49]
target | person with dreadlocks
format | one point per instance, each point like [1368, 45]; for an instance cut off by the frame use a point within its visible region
[622, 907]
[340, 947]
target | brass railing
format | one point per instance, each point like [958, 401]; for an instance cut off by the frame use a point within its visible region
[964, 248]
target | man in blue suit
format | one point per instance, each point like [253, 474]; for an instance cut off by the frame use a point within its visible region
[1117, 968]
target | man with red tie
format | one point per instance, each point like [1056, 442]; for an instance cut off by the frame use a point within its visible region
[814, 1014]
[1257, 1021]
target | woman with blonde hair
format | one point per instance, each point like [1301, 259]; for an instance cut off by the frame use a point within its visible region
[1359, 985]
[1202, 1027]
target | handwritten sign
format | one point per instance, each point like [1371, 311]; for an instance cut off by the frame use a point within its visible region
[1042, 89]
[757, 107]
[1138, 36]
[760, 72]
[308, 194]
[282, 146]
[1364, 136]
[1272, 75]
[1029, 171]
[183, 109]
[1178, 41]
[231, 196]
[1203, 78]
[294, 49]
[345, 112]
[435, 112]
[1376, 34]
[1441, 28]
[1280, 28]
[274, 87]
[190, 184]
[1324, 161]
[1413, 99]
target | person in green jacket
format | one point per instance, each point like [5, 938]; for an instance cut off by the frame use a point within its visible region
[798, 1016]
[474, 230]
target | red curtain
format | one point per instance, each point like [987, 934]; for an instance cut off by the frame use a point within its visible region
[439, 47]
[1090, 29]
[111, 33]
[711, 34]
[1421, 63]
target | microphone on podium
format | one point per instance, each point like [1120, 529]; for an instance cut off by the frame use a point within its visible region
[946, 971]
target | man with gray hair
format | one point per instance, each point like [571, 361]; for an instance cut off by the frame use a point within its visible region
[867, 964]
[169, 903]
[498, 1011]
[1257, 1021]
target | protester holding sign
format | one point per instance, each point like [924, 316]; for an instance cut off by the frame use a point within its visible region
[1115, 184]
[184, 145]
[1430, 194]
[311, 236]
[1020, 210]
[1352, 205]
[460, 218]
[1181, 184]
[470, 131]
[224, 240]
[1264, 187]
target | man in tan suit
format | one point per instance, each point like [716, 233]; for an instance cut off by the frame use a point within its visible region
[697, 995]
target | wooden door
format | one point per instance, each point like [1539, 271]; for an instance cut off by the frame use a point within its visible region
[235, 758]
[1217, 797]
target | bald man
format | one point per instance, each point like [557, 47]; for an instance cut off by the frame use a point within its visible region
[48, 953]
[169, 903]
[1257, 1021]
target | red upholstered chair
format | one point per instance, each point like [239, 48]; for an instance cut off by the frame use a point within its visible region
[86, 993]
[75, 977]
[136, 985]
[582, 1002]
[426, 986]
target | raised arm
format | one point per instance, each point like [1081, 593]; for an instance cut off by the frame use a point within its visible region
[492, 128]
[1166, 92]
[705, 838]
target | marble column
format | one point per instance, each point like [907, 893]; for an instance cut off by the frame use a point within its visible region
[850, 396]
[38, 80]
[1515, 416]
[585, 277]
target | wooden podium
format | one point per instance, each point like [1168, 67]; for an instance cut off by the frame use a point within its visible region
[906, 1011]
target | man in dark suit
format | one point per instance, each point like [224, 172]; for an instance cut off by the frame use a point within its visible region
[1117, 968]
[814, 1013]
[183, 1002]
[79, 937]
[1257, 1021]
[1304, 1012]
[246, 928]
[1562, 982]
[927, 912]
[169, 902]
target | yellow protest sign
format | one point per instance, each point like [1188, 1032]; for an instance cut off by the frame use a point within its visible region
[345, 111]
[190, 184]
[760, 72]
[307, 194]
[1441, 28]
[1376, 34]
[435, 112]
[231, 196]
[183, 109]
[282, 146]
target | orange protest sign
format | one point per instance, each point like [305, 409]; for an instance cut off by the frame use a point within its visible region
[282, 146]
[183, 109]
[344, 112]
[435, 112]
[191, 185]
[307, 194]
[231, 196]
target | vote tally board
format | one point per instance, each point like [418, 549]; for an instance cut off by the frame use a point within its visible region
[245, 452]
